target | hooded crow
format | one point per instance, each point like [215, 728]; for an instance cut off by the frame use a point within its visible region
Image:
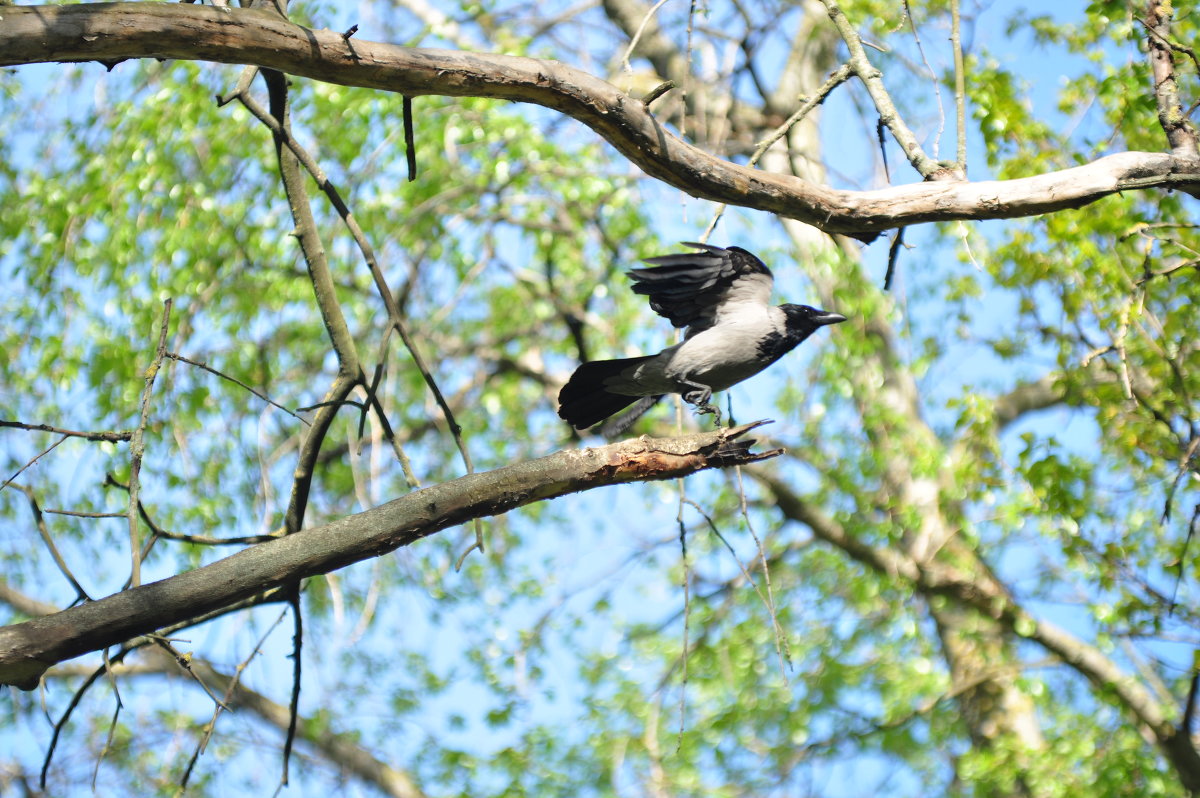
[722, 297]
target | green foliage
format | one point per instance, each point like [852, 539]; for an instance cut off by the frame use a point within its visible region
[553, 663]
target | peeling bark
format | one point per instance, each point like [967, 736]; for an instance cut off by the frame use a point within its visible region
[28, 649]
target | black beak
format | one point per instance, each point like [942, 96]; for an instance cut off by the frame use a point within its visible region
[823, 318]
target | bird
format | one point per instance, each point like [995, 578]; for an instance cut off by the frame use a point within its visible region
[723, 297]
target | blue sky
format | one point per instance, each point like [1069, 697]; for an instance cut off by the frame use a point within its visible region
[598, 547]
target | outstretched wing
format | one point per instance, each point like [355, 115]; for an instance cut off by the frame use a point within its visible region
[696, 289]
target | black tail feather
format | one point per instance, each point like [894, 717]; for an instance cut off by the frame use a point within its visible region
[584, 401]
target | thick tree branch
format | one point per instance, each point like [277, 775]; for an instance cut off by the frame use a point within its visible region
[27, 649]
[115, 31]
[1028, 397]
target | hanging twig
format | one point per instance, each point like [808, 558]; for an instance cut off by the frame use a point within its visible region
[893, 256]
[112, 724]
[410, 139]
[937, 89]
[294, 704]
[687, 613]
[381, 286]
[266, 597]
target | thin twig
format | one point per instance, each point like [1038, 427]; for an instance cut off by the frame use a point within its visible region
[781, 645]
[294, 704]
[223, 705]
[199, 540]
[243, 86]
[368, 253]
[882, 142]
[873, 81]
[266, 597]
[350, 371]
[185, 662]
[835, 79]
[687, 614]
[767, 598]
[103, 435]
[893, 257]
[937, 89]
[81, 514]
[137, 448]
[637, 35]
[200, 364]
[657, 92]
[112, 724]
[72, 704]
[36, 457]
[44, 532]
[960, 87]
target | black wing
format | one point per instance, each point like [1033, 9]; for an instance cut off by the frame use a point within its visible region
[695, 289]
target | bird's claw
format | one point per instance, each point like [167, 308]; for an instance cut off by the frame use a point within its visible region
[708, 409]
[703, 406]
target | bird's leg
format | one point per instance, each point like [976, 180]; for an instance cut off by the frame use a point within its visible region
[699, 398]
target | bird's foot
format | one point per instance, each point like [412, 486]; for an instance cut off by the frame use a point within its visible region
[707, 409]
[703, 406]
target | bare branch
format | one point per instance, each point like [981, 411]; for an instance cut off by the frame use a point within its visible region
[29, 463]
[103, 435]
[368, 252]
[872, 78]
[137, 448]
[1180, 133]
[24, 603]
[44, 531]
[960, 87]
[37, 34]
[200, 364]
[27, 649]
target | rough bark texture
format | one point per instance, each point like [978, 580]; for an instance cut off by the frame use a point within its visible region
[111, 32]
[28, 649]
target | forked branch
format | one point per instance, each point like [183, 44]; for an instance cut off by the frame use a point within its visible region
[115, 31]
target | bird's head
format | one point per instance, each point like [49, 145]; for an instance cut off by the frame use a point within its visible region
[805, 320]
